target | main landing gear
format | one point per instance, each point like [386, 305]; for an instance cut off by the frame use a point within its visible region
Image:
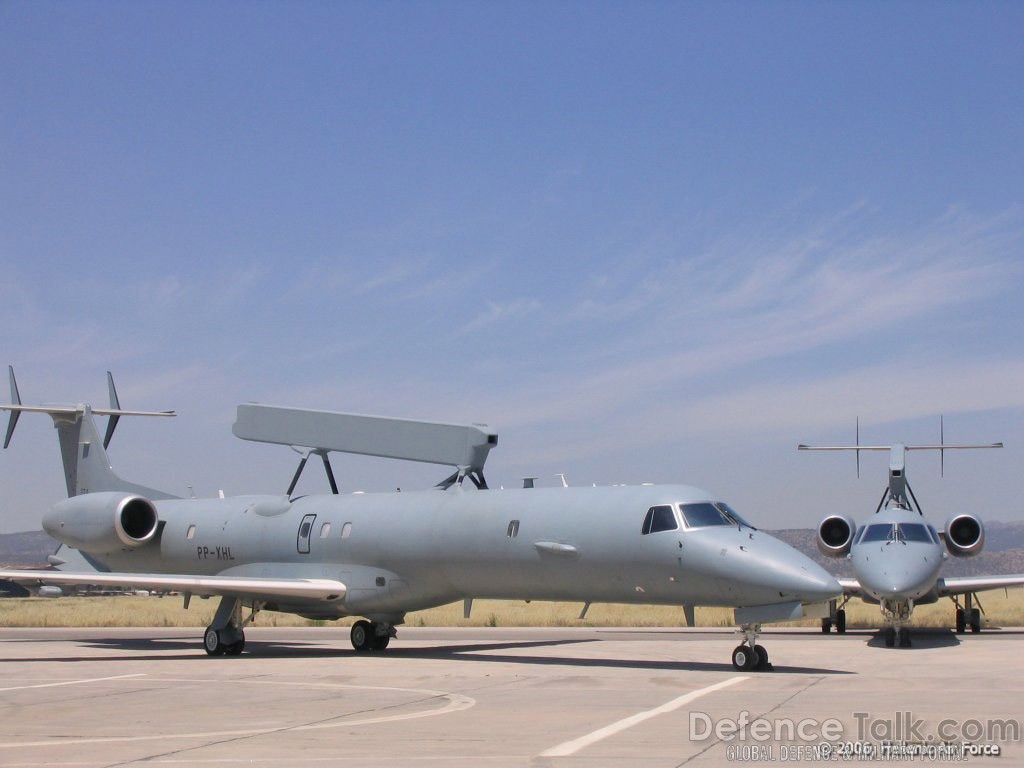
[897, 635]
[748, 655]
[836, 617]
[967, 612]
[371, 635]
[226, 635]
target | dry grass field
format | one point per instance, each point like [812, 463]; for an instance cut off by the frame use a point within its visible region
[1003, 608]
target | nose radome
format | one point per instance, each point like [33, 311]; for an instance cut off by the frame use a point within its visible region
[798, 577]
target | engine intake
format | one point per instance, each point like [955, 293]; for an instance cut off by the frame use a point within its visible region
[964, 535]
[103, 522]
[835, 534]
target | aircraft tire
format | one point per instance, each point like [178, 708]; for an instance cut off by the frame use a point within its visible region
[904, 638]
[362, 636]
[380, 642]
[235, 648]
[890, 637]
[841, 621]
[212, 643]
[961, 621]
[826, 625]
[975, 620]
[762, 658]
[743, 658]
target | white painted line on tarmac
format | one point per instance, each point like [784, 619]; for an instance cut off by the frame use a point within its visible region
[71, 682]
[453, 702]
[572, 747]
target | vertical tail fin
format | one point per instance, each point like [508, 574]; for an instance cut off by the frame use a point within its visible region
[86, 466]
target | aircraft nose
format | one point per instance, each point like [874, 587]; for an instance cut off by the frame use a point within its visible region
[795, 576]
[765, 570]
[899, 577]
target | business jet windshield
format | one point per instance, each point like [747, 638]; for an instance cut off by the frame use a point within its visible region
[905, 532]
[708, 513]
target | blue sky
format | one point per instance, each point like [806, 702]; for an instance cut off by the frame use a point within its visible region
[648, 242]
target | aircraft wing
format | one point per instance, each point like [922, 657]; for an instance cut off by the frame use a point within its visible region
[850, 586]
[960, 585]
[234, 586]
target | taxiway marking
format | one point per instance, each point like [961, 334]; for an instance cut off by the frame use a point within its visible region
[572, 747]
[71, 682]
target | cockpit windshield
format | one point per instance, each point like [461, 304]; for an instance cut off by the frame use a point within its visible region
[877, 532]
[730, 512]
[704, 514]
[901, 532]
[914, 532]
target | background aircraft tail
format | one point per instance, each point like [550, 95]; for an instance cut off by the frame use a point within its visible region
[86, 466]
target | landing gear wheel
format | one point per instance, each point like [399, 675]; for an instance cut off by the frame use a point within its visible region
[361, 636]
[890, 637]
[975, 620]
[762, 658]
[841, 621]
[961, 621]
[380, 642]
[236, 648]
[744, 658]
[904, 638]
[826, 625]
[212, 643]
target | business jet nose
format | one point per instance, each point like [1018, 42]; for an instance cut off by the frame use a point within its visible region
[754, 568]
[794, 576]
[900, 578]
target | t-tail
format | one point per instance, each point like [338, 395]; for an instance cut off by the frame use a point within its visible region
[86, 466]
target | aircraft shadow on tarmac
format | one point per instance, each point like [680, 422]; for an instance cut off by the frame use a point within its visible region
[156, 649]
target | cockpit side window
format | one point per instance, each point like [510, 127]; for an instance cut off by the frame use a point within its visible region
[660, 518]
[703, 514]
[734, 515]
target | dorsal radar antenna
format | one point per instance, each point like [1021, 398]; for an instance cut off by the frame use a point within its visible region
[899, 490]
[462, 446]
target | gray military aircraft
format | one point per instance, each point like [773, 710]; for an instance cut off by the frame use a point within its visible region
[897, 557]
[381, 555]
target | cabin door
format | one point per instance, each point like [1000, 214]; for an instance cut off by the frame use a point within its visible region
[305, 529]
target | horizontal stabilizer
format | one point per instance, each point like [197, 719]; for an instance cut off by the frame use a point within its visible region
[233, 586]
[456, 445]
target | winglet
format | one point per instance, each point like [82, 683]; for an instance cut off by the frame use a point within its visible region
[15, 400]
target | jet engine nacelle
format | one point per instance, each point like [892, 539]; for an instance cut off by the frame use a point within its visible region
[964, 535]
[835, 534]
[103, 522]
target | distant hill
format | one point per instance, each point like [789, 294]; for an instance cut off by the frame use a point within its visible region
[31, 548]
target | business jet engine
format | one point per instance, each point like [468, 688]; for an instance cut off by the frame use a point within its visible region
[835, 534]
[964, 535]
[103, 522]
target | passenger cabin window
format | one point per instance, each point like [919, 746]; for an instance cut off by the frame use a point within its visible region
[660, 518]
[325, 530]
[190, 533]
[346, 530]
[513, 529]
[703, 515]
